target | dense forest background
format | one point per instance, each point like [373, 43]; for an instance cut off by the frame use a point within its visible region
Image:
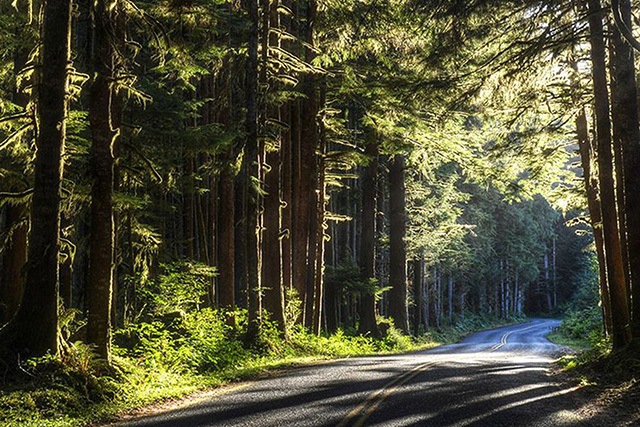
[279, 164]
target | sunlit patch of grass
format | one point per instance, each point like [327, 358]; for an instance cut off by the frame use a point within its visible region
[142, 385]
[576, 344]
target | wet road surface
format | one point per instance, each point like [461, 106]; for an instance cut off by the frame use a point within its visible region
[493, 378]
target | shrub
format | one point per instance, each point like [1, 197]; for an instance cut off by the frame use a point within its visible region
[212, 343]
[180, 287]
[583, 324]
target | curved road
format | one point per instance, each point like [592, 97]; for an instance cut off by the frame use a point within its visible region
[493, 378]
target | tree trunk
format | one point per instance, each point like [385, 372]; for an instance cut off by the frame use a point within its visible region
[587, 157]
[554, 273]
[271, 269]
[516, 295]
[432, 301]
[507, 296]
[502, 292]
[289, 116]
[226, 236]
[626, 135]
[398, 252]
[418, 284]
[368, 324]
[102, 104]
[306, 170]
[241, 196]
[438, 298]
[13, 261]
[424, 291]
[318, 293]
[613, 250]
[450, 298]
[547, 282]
[302, 205]
[320, 223]
[14, 256]
[36, 322]
[253, 175]
[189, 209]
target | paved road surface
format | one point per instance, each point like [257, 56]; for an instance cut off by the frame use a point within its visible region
[492, 378]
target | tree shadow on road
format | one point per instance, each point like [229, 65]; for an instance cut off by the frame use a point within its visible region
[468, 392]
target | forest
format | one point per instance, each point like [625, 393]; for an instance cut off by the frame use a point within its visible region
[187, 183]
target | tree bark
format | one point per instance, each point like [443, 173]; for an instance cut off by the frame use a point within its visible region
[318, 279]
[288, 115]
[103, 133]
[253, 175]
[226, 237]
[398, 252]
[14, 257]
[626, 136]
[13, 262]
[418, 294]
[241, 196]
[613, 251]
[189, 209]
[306, 170]
[547, 282]
[271, 267]
[285, 197]
[368, 324]
[36, 322]
[587, 157]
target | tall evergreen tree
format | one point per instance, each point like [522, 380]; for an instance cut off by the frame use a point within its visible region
[103, 109]
[35, 326]
[613, 249]
[398, 309]
[368, 322]
[626, 138]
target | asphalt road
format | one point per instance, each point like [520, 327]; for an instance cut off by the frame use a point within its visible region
[493, 378]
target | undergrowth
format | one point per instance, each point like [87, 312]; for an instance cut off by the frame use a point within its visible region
[173, 347]
[581, 330]
[164, 359]
[593, 361]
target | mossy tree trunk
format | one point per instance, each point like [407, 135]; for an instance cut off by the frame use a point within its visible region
[104, 132]
[35, 326]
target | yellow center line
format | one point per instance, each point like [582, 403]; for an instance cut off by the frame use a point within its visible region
[373, 401]
[505, 337]
[362, 412]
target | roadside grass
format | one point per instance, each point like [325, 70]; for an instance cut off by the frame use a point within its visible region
[580, 329]
[576, 344]
[161, 361]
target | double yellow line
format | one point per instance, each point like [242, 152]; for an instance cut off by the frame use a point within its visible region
[359, 415]
[505, 337]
